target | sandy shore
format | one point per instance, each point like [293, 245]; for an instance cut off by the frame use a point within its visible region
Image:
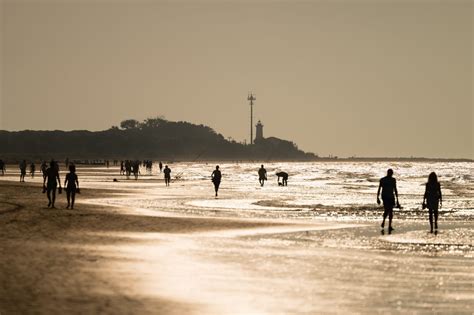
[50, 257]
[103, 259]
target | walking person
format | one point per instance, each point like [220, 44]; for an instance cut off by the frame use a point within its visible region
[216, 177]
[52, 178]
[32, 169]
[388, 185]
[2, 167]
[44, 167]
[160, 165]
[128, 168]
[262, 175]
[122, 168]
[167, 172]
[433, 200]
[22, 171]
[71, 183]
[136, 169]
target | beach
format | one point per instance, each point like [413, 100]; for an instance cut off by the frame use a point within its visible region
[139, 247]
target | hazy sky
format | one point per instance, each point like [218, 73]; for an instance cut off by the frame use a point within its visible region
[365, 78]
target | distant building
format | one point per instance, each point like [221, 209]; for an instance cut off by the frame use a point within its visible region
[259, 133]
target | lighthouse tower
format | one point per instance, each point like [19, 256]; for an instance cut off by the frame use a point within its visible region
[259, 131]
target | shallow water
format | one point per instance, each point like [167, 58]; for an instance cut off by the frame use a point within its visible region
[334, 260]
[338, 190]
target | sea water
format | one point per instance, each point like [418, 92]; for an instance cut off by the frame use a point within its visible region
[340, 190]
[340, 264]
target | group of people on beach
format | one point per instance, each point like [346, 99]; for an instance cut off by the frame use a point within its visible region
[129, 167]
[387, 189]
[262, 177]
[23, 166]
[432, 199]
[51, 181]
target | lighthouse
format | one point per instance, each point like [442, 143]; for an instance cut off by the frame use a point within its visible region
[259, 131]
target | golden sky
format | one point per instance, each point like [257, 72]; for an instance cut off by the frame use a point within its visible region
[364, 78]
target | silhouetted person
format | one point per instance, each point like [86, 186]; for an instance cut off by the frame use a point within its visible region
[284, 176]
[161, 166]
[32, 170]
[388, 185]
[167, 172]
[136, 169]
[216, 177]
[262, 175]
[50, 183]
[44, 167]
[128, 168]
[2, 167]
[122, 168]
[71, 183]
[107, 163]
[149, 166]
[433, 199]
[66, 162]
[22, 170]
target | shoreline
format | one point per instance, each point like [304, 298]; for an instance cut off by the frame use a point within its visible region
[121, 259]
[49, 256]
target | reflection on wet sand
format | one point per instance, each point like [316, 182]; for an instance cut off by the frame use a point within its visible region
[311, 247]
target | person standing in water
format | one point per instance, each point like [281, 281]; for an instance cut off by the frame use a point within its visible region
[52, 177]
[22, 171]
[72, 186]
[216, 177]
[388, 185]
[433, 200]
[167, 172]
[262, 175]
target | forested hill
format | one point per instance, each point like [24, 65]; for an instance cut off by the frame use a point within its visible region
[155, 138]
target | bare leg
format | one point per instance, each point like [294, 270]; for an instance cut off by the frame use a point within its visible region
[48, 193]
[390, 217]
[431, 219]
[73, 198]
[385, 213]
[68, 197]
[53, 199]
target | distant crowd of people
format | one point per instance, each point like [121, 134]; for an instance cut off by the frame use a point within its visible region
[387, 189]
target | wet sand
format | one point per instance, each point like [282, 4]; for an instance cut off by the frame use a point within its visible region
[107, 259]
[52, 259]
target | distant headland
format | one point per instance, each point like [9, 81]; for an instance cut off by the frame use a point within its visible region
[153, 138]
[159, 138]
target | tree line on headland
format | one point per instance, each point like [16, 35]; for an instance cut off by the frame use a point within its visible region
[153, 138]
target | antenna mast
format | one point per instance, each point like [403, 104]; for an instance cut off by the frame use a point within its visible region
[251, 97]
